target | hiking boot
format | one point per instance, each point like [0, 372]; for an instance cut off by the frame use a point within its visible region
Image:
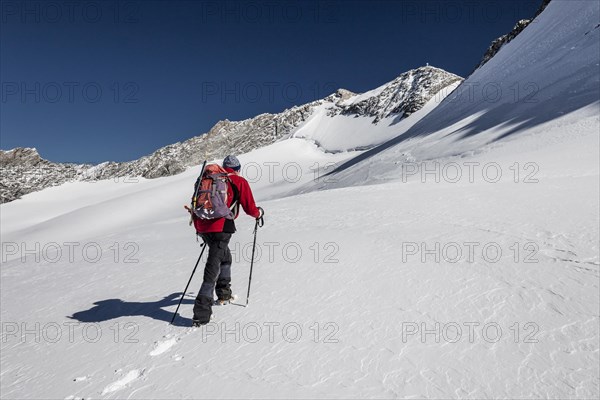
[197, 323]
[222, 302]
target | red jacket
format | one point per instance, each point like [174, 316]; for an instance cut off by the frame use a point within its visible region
[246, 200]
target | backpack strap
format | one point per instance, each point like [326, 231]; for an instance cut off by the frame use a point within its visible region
[235, 204]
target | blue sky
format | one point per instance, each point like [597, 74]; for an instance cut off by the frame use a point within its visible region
[116, 79]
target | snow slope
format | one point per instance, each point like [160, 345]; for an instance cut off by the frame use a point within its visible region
[548, 71]
[350, 282]
[356, 292]
[100, 208]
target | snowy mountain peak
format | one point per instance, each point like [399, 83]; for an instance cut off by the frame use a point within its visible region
[399, 98]
[403, 96]
[341, 94]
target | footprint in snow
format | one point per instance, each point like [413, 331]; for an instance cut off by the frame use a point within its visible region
[124, 381]
[163, 346]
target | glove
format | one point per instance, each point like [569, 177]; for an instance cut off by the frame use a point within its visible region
[260, 221]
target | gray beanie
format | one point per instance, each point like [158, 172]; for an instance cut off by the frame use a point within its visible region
[231, 162]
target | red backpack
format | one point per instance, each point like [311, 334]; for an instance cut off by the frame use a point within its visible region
[210, 194]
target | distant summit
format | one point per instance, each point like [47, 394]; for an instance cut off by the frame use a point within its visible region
[404, 95]
[24, 171]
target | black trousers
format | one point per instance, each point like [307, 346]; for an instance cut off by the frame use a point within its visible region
[217, 275]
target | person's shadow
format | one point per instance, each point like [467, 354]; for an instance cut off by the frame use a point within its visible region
[105, 310]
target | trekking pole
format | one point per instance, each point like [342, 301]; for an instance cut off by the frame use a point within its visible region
[259, 222]
[188, 284]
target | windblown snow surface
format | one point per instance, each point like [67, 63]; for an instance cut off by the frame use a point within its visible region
[459, 259]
